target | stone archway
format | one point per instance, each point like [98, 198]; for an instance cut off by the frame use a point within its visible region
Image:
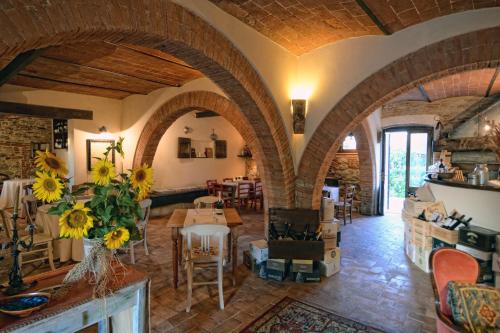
[474, 50]
[168, 27]
[183, 103]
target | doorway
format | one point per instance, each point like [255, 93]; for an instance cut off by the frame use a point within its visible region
[406, 155]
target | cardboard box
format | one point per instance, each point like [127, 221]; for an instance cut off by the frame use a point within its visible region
[421, 259]
[332, 255]
[329, 229]
[259, 250]
[436, 208]
[314, 276]
[327, 209]
[445, 235]
[437, 244]
[479, 238]
[303, 266]
[278, 264]
[330, 243]
[414, 208]
[496, 263]
[332, 266]
[276, 275]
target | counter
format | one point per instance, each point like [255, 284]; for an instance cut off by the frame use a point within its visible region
[482, 203]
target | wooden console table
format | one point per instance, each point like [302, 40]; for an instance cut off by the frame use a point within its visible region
[126, 310]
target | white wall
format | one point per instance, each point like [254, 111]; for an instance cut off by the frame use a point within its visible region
[107, 112]
[172, 172]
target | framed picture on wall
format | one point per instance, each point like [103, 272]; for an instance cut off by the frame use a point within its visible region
[96, 148]
[42, 146]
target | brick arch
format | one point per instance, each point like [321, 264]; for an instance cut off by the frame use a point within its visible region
[367, 168]
[183, 103]
[168, 27]
[474, 50]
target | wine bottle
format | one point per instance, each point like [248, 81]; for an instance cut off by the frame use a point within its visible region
[306, 232]
[273, 232]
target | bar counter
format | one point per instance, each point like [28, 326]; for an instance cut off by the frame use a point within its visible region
[482, 203]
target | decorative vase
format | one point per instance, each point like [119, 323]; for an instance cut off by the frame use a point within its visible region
[88, 244]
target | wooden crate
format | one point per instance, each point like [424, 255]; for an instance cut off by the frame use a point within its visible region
[299, 220]
[445, 235]
[421, 227]
[423, 242]
[414, 208]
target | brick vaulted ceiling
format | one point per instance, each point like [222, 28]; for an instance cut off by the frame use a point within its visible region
[303, 25]
[103, 69]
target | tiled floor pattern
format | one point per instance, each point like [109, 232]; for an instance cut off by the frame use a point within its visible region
[377, 284]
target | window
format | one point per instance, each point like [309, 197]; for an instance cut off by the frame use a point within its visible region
[349, 143]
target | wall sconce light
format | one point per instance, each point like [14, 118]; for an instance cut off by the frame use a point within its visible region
[299, 115]
[213, 136]
[187, 129]
[103, 129]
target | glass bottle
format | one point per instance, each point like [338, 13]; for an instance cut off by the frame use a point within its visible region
[483, 173]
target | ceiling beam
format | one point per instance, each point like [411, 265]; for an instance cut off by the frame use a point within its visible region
[472, 111]
[492, 81]
[44, 111]
[62, 81]
[373, 17]
[206, 114]
[424, 93]
[17, 64]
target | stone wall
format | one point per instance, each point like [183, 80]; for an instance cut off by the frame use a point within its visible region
[345, 167]
[17, 133]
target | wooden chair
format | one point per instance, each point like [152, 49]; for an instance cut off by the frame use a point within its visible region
[446, 265]
[142, 226]
[257, 196]
[244, 193]
[42, 243]
[227, 180]
[211, 186]
[209, 255]
[228, 195]
[28, 189]
[205, 202]
[346, 205]
[245, 178]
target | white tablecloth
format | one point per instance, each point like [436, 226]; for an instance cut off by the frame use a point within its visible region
[203, 216]
[64, 248]
[7, 197]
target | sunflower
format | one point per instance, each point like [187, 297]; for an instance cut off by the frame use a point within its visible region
[102, 172]
[49, 162]
[116, 238]
[47, 187]
[75, 222]
[142, 179]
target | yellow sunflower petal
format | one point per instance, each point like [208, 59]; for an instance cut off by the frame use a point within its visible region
[49, 162]
[47, 187]
[75, 222]
[116, 238]
[103, 172]
[142, 179]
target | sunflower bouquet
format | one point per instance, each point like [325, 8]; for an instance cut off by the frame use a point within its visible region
[113, 209]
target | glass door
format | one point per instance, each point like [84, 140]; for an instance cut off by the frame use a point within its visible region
[406, 154]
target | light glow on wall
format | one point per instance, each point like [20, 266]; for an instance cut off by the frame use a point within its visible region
[301, 91]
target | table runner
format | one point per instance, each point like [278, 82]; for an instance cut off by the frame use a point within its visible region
[203, 216]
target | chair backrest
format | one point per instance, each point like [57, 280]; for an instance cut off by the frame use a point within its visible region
[211, 186]
[257, 179]
[28, 189]
[245, 178]
[244, 190]
[227, 179]
[211, 235]
[146, 208]
[258, 189]
[449, 264]
[349, 194]
[30, 206]
[205, 201]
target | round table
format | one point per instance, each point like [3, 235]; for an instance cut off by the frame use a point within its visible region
[64, 248]
[8, 195]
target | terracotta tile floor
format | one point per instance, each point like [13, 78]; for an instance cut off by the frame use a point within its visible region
[377, 285]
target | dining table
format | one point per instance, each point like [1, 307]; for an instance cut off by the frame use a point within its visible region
[183, 217]
[8, 194]
[64, 248]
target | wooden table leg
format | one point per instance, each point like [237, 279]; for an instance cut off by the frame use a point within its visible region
[234, 250]
[229, 246]
[175, 256]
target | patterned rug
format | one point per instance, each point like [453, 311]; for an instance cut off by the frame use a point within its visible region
[292, 316]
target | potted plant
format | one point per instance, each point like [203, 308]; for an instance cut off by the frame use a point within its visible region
[107, 221]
